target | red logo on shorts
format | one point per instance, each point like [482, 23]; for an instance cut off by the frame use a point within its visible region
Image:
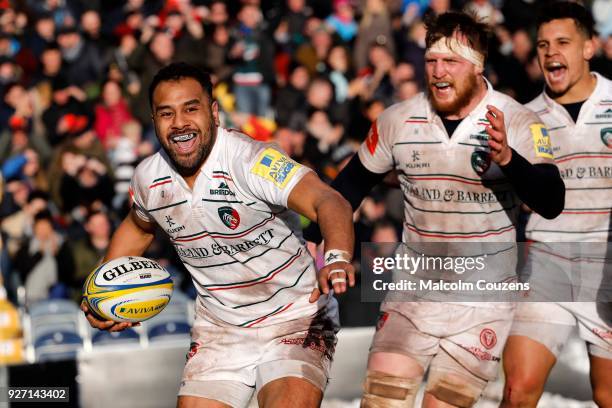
[193, 349]
[488, 338]
[382, 319]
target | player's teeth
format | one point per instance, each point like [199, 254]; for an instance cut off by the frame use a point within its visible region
[442, 84]
[184, 138]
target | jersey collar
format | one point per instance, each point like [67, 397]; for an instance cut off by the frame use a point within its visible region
[208, 166]
[593, 99]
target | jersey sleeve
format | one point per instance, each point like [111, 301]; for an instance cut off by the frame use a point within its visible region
[376, 151]
[528, 135]
[138, 199]
[270, 174]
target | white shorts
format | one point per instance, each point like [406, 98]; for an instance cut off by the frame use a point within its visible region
[473, 336]
[229, 363]
[552, 323]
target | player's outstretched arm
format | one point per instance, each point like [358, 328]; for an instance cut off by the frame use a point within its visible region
[321, 204]
[354, 182]
[132, 238]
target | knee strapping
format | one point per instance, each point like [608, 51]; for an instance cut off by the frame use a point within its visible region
[387, 391]
[460, 391]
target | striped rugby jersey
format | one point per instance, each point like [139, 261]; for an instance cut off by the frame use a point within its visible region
[452, 190]
[233, 232]
[583, 153]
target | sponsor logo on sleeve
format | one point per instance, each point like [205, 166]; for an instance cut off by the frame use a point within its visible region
[541, 141]
[276, 167]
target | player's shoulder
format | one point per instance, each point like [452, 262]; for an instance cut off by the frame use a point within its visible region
[400, 112]
[537, 104]
[603, 89]
[239, 149]
[513, 110]
[152, 169]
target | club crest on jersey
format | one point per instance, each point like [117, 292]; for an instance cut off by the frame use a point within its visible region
[606, 137]
[229, 216]
[488, 338]
[481, 161]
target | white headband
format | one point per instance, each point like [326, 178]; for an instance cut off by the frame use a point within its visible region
[446, 45]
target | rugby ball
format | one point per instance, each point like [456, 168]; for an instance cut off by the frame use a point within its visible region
[128, 289]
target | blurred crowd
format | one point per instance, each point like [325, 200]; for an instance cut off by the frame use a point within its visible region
[309, 74]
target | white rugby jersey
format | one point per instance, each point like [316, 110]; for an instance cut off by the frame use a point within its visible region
[583, 153]
[452, 190]
[233, 231]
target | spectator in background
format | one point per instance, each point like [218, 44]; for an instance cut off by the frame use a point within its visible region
[111, 114]
[88, 251]
[26, 166]
[57, 9]
[187, 33]
[342, 21]
[339, 65]
[91, 26]
[43, 34]
[126, 153]
[83, 63]
[43, 260]
[69, 112]
[85, 183]
[252, 53]
[413, 50]
[290, 30]
[49, 69]
[313, 54]
[385, 230]
[155, 50]
[291, 98]
[217, 53]
[374, 28]
[17, 227]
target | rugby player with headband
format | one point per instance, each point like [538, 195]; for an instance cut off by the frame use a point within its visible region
[486, 154]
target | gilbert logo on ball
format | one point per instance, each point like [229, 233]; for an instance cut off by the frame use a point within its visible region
[128, 289]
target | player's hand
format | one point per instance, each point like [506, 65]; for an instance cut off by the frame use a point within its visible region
[109, 325]
[498, 141]
[334, 275]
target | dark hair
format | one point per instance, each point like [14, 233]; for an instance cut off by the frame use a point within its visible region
[448, 24]
[556, 10]
[180, 70]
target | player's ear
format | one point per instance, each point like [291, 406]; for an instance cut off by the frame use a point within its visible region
[214, 107]
[588, 50]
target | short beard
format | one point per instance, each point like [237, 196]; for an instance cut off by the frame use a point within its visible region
[193, 166]
[464, 96]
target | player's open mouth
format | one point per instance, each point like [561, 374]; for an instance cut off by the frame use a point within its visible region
[442, 88]
[185, 141]
[555, 71]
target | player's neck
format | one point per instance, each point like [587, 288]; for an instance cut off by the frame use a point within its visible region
[579, 92]
[477, 97]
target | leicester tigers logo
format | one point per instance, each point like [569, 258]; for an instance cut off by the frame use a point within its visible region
[480, 161]
[229, 216]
